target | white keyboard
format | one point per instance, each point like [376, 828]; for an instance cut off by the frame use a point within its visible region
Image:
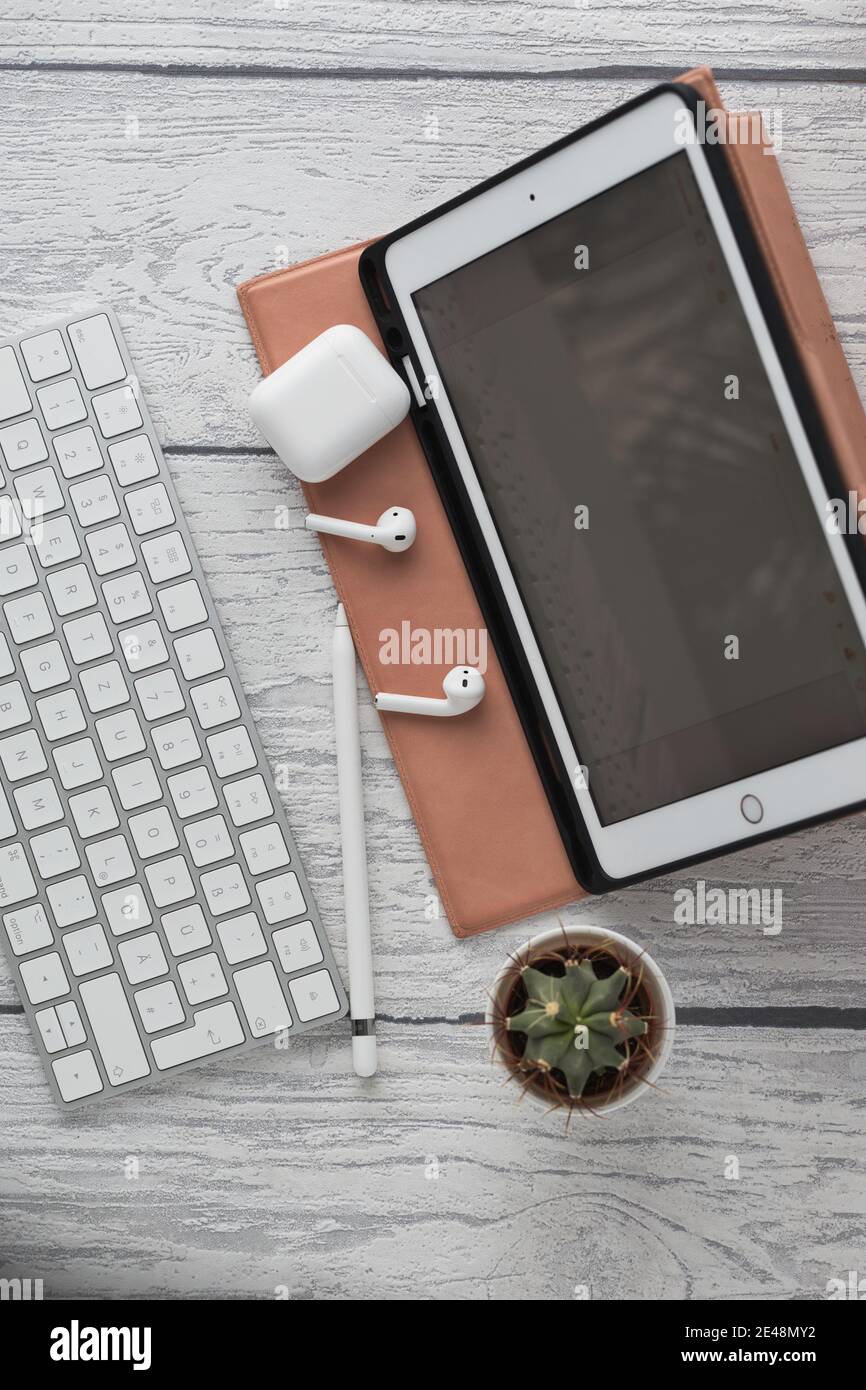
[155, 912]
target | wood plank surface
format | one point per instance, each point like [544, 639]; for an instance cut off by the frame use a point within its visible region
[161, 195]
[281, 1171]
[393, 36]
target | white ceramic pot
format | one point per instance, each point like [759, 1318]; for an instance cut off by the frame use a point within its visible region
[626, 950]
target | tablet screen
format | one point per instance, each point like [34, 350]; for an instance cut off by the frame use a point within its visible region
[647, 495]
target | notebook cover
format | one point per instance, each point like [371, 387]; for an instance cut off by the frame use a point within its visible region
[482, 814]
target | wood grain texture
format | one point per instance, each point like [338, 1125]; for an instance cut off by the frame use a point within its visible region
[282, 1169]
[220, 179]
[452, 35]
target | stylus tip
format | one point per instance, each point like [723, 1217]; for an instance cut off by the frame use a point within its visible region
[364, 1055]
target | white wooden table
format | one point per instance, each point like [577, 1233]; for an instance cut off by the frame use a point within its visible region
[155, 157]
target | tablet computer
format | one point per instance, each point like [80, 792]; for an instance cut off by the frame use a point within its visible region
[642, 489]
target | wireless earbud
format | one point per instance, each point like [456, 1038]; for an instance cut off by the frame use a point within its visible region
[395, 530]
[464, 689]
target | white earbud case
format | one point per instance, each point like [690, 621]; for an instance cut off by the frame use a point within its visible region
[335, 398]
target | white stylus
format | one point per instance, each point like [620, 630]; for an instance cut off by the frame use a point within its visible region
[356, 895]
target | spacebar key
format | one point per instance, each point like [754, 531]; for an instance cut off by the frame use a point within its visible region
[213, 1031]
[114, 1029]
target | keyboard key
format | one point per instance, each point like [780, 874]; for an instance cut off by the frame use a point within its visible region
[169, 881]
[88, 638]
[16, 570]
[77, 763]
[209, 841]
[166, 557]
[22, 755]
[214, 1030]
[77, 1075]
[28, 930]
[182, 606]
[71, 590]
[281, 898]
[94, 500]
[143, 646]
[113, 1028]
[159, 695]
[14, 709]
[264, 848]
[93, 812]
[232, 751]
[314, 995]
[159, 1007]
[133, 460]
[176, 743]
[23, 444]
[199, 654]
[143, 958]
[28, 618]
[241, 938]
[202, 979]
[7, 665]
[110, 860]
[225, 890]
[50, 1030]
[153, 832]
[39, 493]
[71, 901]
[137, 784]
[55, 541]
[54, 852]
[45, 355]
[186, 930]
[149, 508]
[126, 909]
[87, 950]
[192, 792]
[44, 978]
[45, 667]
[96, 351]
[215, 702]
[248, 800]
[262, 999]
[120, 735]
[110, 549]
[127, 597]
[61, 404]
[116, 412]
[70, 1021]
[38, 804]
[297, 946]
[14, 397]
[104, 687]
[77, 452]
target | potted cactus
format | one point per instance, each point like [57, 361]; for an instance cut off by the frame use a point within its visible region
[582, 1019]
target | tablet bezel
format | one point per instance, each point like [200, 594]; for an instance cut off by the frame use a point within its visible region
[602, 156]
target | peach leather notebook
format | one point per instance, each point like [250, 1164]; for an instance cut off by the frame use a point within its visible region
[472, 785]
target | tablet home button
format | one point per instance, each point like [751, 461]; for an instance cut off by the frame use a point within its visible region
[752, 809]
